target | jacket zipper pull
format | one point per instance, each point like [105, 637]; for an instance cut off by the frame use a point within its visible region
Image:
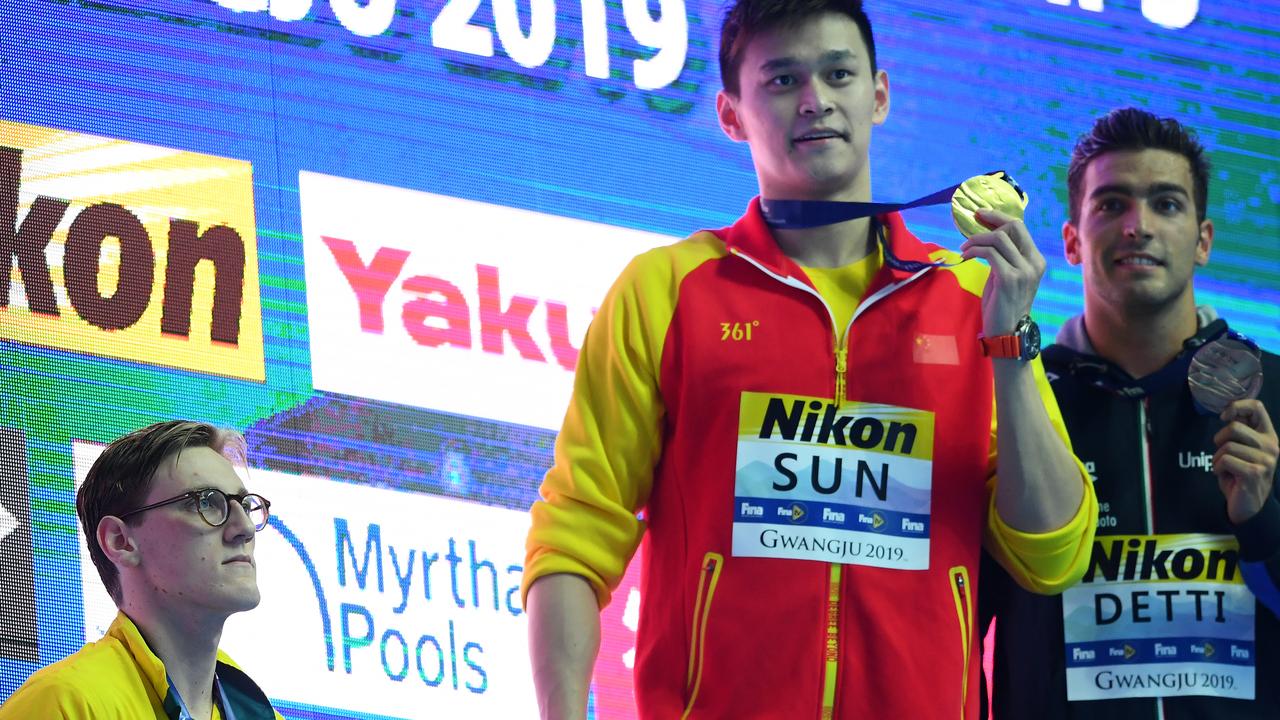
[842, 356]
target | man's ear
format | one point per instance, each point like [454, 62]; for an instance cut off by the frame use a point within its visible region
[881, 110]
[117, 542]
[1205, 243]
[1071, 243]
[730, 120]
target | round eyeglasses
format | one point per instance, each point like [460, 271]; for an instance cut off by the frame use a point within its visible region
[214, 506]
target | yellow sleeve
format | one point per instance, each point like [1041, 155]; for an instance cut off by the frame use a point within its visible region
[40, 697]
[1050, 562]
[585, 522]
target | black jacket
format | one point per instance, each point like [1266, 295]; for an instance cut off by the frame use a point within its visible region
[1105, 411]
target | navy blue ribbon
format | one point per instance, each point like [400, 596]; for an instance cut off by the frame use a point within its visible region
[805, 214]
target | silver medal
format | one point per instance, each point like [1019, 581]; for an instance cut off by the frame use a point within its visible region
[1224, 371]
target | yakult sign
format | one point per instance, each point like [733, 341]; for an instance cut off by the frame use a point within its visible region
[451, 304]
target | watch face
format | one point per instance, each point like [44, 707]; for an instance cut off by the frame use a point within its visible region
[1029, 334]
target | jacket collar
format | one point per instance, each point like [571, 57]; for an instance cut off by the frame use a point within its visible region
[246, 699]
[1075, 355]
[149, 666]
[1074, 336]
[752, 237]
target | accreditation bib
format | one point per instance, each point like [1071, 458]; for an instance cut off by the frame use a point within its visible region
[849, 484]
[1160, 616]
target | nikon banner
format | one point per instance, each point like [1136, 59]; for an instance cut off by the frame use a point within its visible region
[1160, 616]
[848, 484]
[129, 251]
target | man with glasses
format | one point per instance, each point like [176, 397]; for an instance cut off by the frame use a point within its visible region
[171, 530]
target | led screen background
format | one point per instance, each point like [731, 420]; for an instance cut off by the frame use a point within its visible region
[383, 125]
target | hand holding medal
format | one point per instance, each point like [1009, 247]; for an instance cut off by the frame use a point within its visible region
[1225, 377]
[1223, 371]
[988, 211]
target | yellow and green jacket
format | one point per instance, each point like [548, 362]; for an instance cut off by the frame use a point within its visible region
[119, 678]
[710, 377]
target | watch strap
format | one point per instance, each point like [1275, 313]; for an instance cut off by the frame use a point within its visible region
[1001, 346]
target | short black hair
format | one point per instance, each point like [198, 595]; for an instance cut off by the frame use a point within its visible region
[747, 18]
[1130, 128]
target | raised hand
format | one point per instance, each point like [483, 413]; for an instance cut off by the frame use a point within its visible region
[1016, 269]
[1245, 462]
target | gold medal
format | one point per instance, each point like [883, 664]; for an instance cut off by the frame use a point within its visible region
[994, 191]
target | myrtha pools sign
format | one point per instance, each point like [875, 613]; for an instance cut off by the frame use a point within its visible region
[374, 600]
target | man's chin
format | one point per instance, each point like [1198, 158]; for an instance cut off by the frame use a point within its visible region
[246, 599]
[1143, 299]
[818, 184]
[831, 177]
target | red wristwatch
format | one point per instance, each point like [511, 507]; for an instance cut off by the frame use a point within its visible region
[1023, 344]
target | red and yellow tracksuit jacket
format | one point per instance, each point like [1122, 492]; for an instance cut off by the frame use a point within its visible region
[815, 510]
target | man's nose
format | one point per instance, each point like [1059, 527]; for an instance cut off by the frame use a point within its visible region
[1137, 223]
[239, 526]
[815, 100]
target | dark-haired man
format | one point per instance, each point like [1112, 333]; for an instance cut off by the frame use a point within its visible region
[1165, 624]
[805, 419]
[170, 529]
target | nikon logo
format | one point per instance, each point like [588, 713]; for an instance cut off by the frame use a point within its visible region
[151, 274]
[823, 423]
[1139, 559]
